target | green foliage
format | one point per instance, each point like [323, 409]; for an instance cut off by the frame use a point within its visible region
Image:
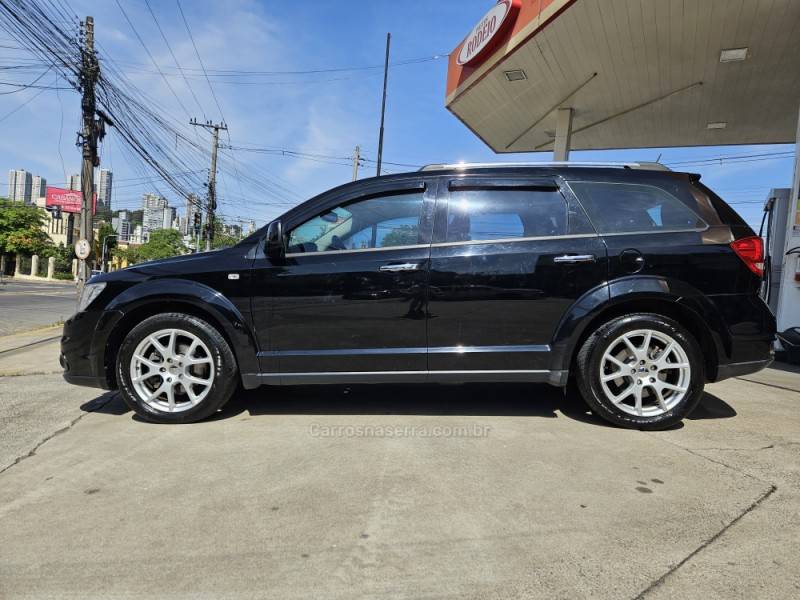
[103, 232]
[221, 239]
[21, 229]
[405, 235]
[64, 256]
[135, 217]
[163, 243]
[129, 254]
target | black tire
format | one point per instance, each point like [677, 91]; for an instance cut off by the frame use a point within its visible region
[225, 379]
[589, 371]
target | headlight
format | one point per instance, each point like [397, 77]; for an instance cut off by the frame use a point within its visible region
[90, 292]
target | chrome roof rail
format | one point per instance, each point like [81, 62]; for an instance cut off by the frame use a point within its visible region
[651, 166]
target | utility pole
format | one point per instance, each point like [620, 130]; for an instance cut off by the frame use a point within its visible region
[356, 161]
[211, 203]
[93, 130]
[383, 103]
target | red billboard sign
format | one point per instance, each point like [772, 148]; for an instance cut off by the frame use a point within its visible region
[69, 200]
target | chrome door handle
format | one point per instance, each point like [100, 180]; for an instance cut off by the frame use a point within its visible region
[575, 258]
[395, 268]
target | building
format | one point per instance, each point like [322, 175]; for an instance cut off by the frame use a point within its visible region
[157, 214]
[233, 230]
[104, 181]
[123, 226]
[192, 209]
[75, 182]
[20, 184]
[38, 188]
[138, 235]
[251, 227]
[62, 227]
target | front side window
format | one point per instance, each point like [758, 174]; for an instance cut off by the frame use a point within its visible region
[629, 207]
[497, 214]
[379, 222]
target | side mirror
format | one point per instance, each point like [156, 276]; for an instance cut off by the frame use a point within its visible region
[275, 248]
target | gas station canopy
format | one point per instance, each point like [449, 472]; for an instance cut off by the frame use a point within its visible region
[629, 74]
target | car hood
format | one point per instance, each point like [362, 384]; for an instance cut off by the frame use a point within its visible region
[174, 265]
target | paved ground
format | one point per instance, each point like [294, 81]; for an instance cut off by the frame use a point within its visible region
[355, 493]
[28, 305]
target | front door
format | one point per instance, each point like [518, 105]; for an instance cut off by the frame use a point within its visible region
[350, 296]
[509, 257]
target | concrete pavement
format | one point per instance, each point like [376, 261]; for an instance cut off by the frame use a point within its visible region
[26, 305]
[374, 492]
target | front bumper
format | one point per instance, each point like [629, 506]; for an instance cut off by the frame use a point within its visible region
[83, 347]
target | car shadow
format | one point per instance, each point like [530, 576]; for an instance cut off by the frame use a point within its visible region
[712, 407]
[473, 399]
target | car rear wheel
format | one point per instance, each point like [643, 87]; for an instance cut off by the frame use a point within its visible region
[643, 371]
[175, 368]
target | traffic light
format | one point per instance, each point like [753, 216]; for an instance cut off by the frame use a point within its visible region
[197, 223]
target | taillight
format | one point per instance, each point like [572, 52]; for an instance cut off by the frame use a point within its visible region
[751, 251]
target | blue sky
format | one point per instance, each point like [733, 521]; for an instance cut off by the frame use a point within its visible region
[325, 114]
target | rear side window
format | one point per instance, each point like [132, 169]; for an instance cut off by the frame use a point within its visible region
[497, 214]
[634, 207]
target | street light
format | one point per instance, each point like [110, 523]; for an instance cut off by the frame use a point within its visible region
[103, 254]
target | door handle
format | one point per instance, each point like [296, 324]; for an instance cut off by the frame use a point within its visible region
[572, 259]
[397, 267]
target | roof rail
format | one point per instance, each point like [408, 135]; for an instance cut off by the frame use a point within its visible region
[651, 166]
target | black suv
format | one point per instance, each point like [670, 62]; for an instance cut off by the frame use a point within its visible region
[639, 282]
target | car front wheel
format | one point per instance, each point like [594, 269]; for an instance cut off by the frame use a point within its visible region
[643, 371]
[175, 368]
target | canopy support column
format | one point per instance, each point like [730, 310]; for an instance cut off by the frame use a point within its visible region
[563, 134]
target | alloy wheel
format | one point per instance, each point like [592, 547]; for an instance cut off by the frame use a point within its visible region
[172, 370]
[645, 373]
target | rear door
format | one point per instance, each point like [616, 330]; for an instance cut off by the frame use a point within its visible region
[651, 226]
[509, 257]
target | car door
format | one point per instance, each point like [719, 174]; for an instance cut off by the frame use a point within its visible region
[349, 299]
[509, 257]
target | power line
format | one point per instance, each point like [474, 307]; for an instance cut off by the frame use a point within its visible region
[174, 58]
[153, 60]
[200, 60]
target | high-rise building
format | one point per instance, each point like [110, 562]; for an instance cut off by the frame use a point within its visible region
[122, 225]
[104, 181]
[39, 188]
[75, 182]
[153, 207]
[20, 184]
[169, 217]
[192, 209]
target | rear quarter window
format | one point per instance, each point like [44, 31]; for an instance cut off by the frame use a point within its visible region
[634, 207]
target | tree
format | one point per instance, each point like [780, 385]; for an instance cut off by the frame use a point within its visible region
[129, 254]
[103, 232]
[221, 238]
[405, 235]
[21, 229]
[163, 243]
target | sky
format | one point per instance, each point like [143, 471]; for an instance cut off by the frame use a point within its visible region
[325, 114]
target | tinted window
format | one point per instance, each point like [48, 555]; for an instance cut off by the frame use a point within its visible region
[505, 214]
[629, 207]
[380, 222]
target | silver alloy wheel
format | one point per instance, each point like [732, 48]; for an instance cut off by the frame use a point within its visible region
[172, 370]
[645, 373]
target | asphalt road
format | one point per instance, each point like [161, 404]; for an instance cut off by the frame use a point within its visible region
[500, 491]
[28, 305]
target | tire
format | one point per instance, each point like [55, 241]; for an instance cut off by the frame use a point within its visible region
[652, 391]
[175, 368]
